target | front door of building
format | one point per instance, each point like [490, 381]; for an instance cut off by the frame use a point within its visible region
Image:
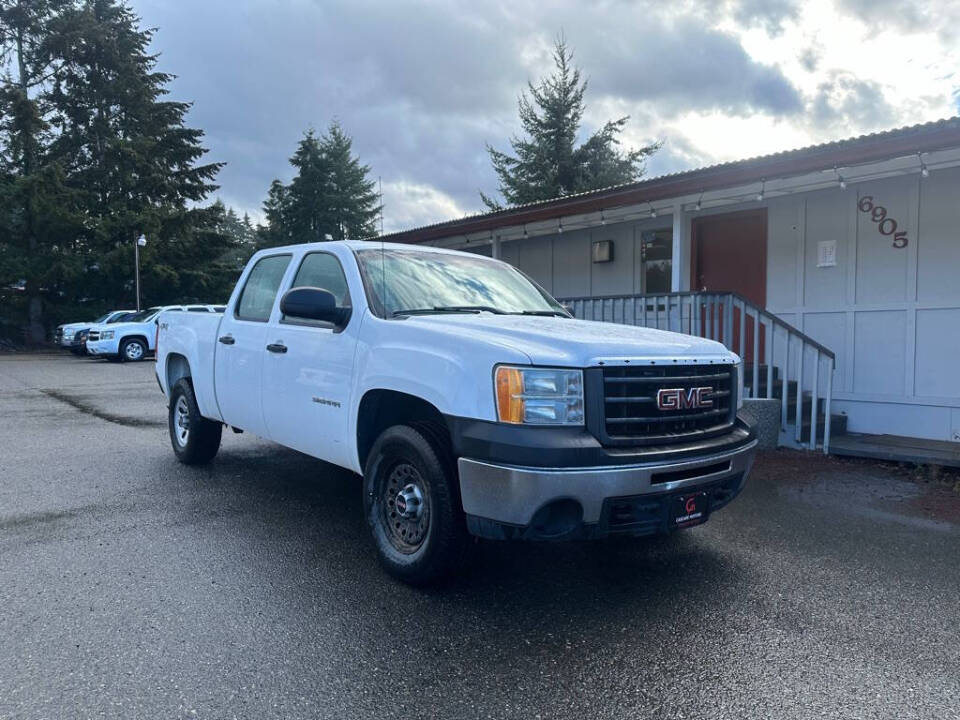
[730, 255]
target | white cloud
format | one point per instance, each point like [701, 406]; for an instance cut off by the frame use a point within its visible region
[408, 204]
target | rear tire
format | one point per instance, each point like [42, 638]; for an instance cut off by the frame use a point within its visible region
[133, 350]
[412, 504]
[195, 439]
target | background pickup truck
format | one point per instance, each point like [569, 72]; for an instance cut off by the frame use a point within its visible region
[467, 398]
[69, 335]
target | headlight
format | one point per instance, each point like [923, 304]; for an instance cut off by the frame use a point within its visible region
[106, 334]
[739, 367]
[539, 396]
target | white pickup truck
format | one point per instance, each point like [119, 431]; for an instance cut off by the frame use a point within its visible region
[466, 397]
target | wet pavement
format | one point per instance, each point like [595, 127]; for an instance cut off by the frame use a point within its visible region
[134, 587]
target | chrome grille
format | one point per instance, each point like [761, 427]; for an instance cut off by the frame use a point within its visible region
[632, 413]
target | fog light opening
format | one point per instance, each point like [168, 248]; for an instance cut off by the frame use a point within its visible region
[557, 519]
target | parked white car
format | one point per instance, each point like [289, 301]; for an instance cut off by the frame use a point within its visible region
[68, 337]
[134, 338]
[467, 398]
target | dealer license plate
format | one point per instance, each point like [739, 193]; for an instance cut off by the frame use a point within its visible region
[689, 509]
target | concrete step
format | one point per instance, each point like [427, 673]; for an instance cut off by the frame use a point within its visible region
[838, 427]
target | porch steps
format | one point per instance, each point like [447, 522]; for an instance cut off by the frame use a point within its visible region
[838, 422]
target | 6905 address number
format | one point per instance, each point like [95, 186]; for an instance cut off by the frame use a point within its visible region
[885, 224]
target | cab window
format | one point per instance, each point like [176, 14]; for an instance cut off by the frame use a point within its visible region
[322, 270]
[260, 290]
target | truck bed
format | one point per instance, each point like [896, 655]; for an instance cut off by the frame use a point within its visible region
[192, 336]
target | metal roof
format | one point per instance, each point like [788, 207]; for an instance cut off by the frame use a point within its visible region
[899, 142]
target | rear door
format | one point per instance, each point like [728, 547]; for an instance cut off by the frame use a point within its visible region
[306, 385]
[242, 345]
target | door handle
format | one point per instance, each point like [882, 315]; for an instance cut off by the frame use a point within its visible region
[277, 348]
[227, 339]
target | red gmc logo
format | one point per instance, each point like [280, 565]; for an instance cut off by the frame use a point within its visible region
[685, 398]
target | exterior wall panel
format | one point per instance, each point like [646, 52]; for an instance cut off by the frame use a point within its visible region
[938, 251]
[616, 277]
[783, 236]
[571, 256]
[535, 258]
[826, 221]
[880, 352]
[938, 353]
[881, 268]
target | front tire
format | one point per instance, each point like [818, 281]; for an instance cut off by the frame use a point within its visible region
[412, 505]
[133, 350]
[195, 439]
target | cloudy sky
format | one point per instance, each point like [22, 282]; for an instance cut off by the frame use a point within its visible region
[422, 86]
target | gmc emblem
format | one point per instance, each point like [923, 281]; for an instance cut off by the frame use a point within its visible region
[685, 398]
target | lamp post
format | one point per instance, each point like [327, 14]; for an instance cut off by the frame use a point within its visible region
[141, 241]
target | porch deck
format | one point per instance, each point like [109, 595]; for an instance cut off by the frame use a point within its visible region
[897, 448]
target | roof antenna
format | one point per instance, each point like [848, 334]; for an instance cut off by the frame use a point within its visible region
[383, 261]
[380, 183]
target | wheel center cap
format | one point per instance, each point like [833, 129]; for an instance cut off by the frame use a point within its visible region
[409, 502]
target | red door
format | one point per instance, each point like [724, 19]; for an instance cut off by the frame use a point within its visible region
[730, 255]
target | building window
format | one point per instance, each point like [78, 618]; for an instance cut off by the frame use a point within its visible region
[656, 260]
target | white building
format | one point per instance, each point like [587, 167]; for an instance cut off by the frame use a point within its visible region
[851, 247]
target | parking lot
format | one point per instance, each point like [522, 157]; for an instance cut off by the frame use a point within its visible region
[134, 587]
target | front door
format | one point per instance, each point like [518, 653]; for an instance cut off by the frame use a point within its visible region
[730, 255]
[241, 346]
[306, 385]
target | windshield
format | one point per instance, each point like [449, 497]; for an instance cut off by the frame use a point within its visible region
[411, 281]
[142, 315]
[101, 319]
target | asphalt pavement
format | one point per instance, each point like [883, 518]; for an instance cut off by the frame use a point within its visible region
[134, 587]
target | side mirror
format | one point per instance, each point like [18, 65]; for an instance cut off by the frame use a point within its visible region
[309, 303]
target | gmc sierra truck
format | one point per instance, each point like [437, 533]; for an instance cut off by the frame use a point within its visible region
[467, 398]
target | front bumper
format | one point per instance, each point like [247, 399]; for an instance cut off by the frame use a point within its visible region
[508, 501]
[69, 343]
[103, 347]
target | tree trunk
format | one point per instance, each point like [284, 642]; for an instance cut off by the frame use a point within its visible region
[36, 332]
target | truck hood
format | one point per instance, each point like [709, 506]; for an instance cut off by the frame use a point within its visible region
[123, 326]
[578, 343]
[73, 327]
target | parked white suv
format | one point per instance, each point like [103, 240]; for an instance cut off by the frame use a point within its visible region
[135, 337]
[467, 398]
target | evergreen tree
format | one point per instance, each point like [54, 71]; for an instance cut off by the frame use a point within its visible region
[307, 214]
[353, 202]
[37, 212]
[547, 163]
[330, 195]
[242, 234]
[131, 158]
[276, 230]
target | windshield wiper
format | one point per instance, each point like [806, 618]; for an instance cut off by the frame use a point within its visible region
[545, 313]
[449, 309]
